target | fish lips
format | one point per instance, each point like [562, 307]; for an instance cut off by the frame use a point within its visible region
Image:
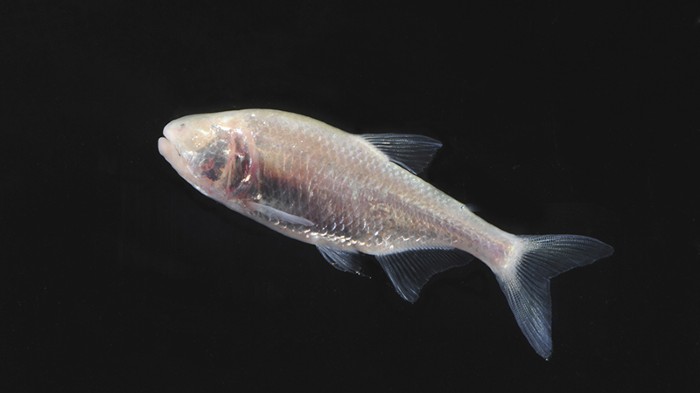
[169, 151]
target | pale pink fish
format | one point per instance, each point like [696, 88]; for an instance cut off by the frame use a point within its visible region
[358, 194]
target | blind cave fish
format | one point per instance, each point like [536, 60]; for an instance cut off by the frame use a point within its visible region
[350, 194]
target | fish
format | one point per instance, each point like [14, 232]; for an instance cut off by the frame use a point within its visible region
[360, 194]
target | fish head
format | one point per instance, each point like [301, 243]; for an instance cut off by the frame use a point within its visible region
[210, 151]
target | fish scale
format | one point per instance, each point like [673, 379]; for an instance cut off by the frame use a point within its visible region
[332, 186]
[350, 194]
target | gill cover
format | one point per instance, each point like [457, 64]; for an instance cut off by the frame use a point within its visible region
[242, 169]
[226, 165]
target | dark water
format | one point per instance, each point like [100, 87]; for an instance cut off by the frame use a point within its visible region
[116, 276]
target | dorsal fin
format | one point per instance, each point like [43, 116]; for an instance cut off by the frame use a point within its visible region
[412, 152]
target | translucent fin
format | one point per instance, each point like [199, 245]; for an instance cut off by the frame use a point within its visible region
[343, 260]
[526, 284]
[278, 214]
[409, 271]
[412, 152]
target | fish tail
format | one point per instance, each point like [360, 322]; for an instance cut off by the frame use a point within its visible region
[525, 280]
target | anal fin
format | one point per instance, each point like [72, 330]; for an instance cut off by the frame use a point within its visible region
[410, 270]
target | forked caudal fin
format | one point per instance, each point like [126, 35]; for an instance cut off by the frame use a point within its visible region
[526, 281]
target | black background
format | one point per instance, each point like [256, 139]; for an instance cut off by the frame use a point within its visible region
[117, 276]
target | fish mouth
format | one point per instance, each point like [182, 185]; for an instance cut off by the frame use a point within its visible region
[169, 151]
[166, 148]
[169, 130]
[166, 145]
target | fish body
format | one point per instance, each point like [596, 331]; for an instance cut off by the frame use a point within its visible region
[353, 194]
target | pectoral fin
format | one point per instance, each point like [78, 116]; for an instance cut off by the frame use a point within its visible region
[277, 214]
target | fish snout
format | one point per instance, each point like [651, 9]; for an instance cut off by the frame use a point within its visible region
[190, 134]
[173, 130]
